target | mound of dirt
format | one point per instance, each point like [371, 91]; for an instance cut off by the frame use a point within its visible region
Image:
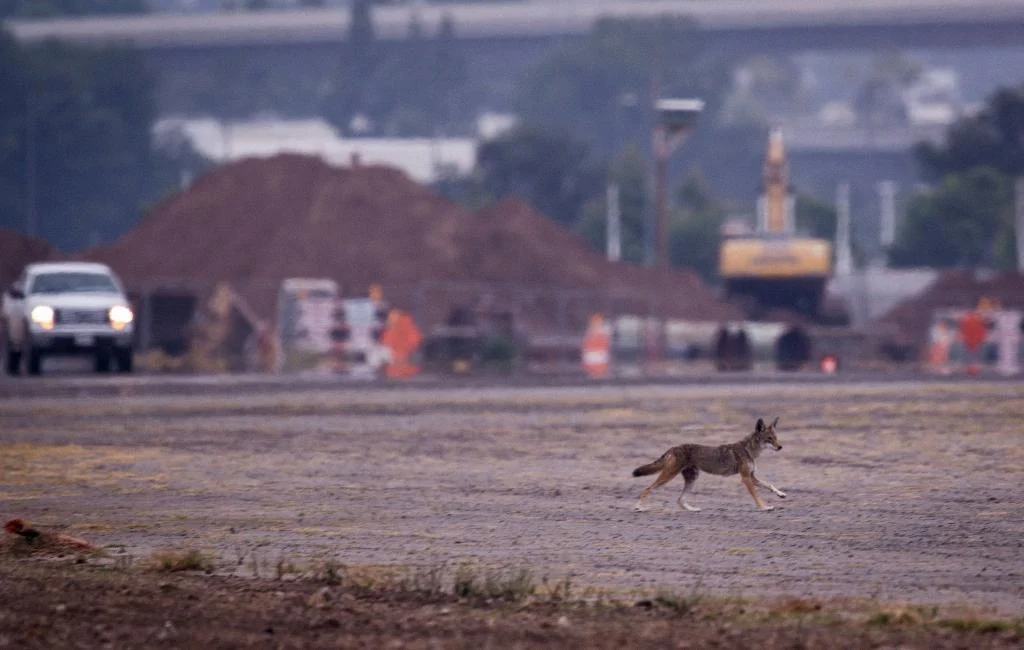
[17, 250]
[960, 289]
[514, 243]
[258, 221]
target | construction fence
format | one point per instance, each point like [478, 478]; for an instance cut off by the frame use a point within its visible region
[320, 325]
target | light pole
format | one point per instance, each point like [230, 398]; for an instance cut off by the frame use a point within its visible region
[31, 209]
[675, 120]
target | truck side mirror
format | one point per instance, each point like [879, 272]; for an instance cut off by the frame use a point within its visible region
[16, 293]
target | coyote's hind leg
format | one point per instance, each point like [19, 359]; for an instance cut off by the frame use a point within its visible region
[690, 475]
[667, 474]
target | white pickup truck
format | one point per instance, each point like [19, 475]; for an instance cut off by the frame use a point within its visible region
[67, 308]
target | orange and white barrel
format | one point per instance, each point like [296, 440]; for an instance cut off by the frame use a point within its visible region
[596, 353]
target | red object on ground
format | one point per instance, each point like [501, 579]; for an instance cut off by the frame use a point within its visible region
[31, 535]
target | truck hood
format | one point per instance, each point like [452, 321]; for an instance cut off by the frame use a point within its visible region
[75, 300]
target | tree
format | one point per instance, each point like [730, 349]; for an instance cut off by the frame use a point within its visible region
[992, 138]
[764, 88]
[411, 91]
[75, 142]
[359, 61]
[879, 100]
[449, 71]
[12, 129]
[630, 173]
[401, 92]
[965, 221]
[695, 230]
[814, 217]
[51, 8]
[398, 97]
[579, 87]
[551, 171]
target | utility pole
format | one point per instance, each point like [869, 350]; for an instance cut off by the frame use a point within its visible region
[1019, 186]
[844, 252]
[613, 235]
[887, 221]
[31, 211]
[675, 120]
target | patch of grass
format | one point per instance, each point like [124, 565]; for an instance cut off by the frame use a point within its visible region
[558, 592]
[330, 571]
[796, 606]
[984, 626]
[908, 615]
[464, 582]
[424, 579]
[285, 567]
[514, 585]
[170, 561]
[681, 605]
[123, 561]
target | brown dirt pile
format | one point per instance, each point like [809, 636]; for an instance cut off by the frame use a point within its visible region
[954, 289]
[258, 221]
[17, 250]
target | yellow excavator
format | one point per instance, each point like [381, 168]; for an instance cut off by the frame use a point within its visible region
[773, 267]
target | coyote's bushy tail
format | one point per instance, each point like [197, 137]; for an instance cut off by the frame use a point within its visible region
[650, 468]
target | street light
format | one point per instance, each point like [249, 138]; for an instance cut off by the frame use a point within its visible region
[675, 119]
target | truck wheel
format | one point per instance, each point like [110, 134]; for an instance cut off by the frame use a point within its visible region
[12, 360]
[35, 361]
[102, 362]
[124, 360]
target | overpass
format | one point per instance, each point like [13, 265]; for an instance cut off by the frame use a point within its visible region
[734, 25]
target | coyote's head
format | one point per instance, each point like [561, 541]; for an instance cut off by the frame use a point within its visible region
[764, 436]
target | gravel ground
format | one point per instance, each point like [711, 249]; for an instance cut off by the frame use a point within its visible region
[899, 492]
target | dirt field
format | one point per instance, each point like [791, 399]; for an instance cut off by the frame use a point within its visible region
[898, 493]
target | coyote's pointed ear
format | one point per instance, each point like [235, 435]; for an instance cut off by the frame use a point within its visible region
[775, 422]
[760, 425]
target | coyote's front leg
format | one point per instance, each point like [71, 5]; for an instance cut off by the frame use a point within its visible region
[765, 484]
[748, 482]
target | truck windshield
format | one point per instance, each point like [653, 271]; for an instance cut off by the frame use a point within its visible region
[72, 283]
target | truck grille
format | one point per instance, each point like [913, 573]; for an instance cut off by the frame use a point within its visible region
[81, 316]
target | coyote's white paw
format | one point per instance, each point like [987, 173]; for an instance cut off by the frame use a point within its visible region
[689, 508]
[767, 507]
[780, 494]
[640, 508]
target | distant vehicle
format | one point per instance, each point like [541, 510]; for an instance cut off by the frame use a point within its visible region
[773, 267]
[67, 308]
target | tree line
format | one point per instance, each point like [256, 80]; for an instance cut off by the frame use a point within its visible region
[963, 216]
[966, 218]
[78, 162]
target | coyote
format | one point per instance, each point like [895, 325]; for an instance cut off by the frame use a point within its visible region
[724, 460]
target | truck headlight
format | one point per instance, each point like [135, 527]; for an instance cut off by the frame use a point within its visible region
[120, 317]
[43, 315]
